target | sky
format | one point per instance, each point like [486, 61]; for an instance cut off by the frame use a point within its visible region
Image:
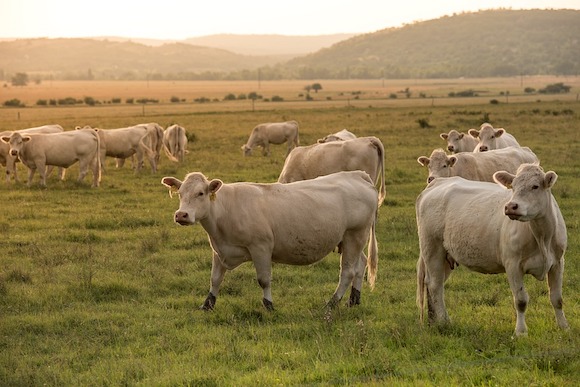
[181, 19]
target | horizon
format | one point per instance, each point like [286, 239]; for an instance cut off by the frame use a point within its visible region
[180, 21]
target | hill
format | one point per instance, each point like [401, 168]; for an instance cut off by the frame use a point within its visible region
[481, 44]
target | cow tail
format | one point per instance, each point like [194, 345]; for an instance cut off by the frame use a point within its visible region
[373, 254]
[168, 153]
[381, 172]
[98, 170]
[421, 288]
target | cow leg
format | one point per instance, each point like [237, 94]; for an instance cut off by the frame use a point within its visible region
[358, 280]
[350, 261]
[263, 264]
[83, 169]
[516, 280]
[436, 273]
[266, 149]
[555, 275]
[31, 172]
[218, 271]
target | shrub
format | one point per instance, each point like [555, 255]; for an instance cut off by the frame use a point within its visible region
[14, 102]
[175, 99]
[277, 98]
[42, 102]
[555, 88]
[424, 123]
[529, 90]
[230, 97]
[494, 101]
[130, 100]
[116, 100]
[90, 101]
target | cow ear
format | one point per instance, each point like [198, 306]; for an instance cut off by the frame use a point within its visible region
[171, 182]
[423, 160]
[444, 136]
[461, 135]
[26, 138]
[6, 139]
[451, 160]
[504, 178]
[499, 132]
[473, 133]
[215, 185]
[550, 179]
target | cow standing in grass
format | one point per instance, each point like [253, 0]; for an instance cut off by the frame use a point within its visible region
[297, 223]
[514, 226]
[273, 133]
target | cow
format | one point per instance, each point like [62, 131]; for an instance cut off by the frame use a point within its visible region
[8, 160]
[122, 143]
[342, 135]
[476, 166]
[513, 227]
[297, 223]
[490, 138]
[175, 142]
[272, 133]
[459, 142]
[154, 141]
[363, 153]
[63, 149]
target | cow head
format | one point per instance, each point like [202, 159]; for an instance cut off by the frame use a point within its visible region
[16, 142]
[452, 138]
[247, 150]
[438, 165]
[487, 136]
[195, 196]
[531, 194]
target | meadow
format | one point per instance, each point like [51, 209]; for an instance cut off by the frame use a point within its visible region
[101, 287]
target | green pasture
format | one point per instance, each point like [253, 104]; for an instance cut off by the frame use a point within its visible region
[100, 287]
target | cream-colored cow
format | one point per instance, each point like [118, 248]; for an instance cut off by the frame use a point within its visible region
[297, 223]
[342, 135]
[272, 133]
[175, 142]
[37, 151]
[490, 138]
[513, 227]
[363, 153]
[476, 166]
[459, 142]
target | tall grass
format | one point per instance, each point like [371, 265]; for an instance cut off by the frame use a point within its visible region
[100, 287]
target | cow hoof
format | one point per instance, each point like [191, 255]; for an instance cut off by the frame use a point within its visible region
[268, 305]
[354, 297]
[209, 302]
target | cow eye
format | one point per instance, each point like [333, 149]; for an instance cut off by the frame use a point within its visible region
[199, 194]
[535, 186]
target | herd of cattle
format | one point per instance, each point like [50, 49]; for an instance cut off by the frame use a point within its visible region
[487, 205]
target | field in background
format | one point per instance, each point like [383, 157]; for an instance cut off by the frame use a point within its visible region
[100, 287]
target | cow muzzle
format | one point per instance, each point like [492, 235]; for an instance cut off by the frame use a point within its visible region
[183, 218]
[511, 210]
[13, 152]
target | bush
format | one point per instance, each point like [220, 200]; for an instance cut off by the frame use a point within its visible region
[277, 98]
[424, 123]
[41, 102]
[14, 102]
[67, 101]
[202, 100]
[116, 100]
[175, 99]
[494, 102]
[230, 97]
[90, 101]
[529, 90]
[555, 88]
[130, 100]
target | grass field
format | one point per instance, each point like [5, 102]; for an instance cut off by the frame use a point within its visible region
[100, 287]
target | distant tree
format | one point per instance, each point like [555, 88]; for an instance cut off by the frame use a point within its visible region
[20, 79]
[308, 88]
[316, 87]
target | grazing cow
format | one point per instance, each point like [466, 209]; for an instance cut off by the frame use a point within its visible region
[343, 135]
[459, 142]
[363, 153]
[490, 229]
[36, 151]
[175, 143]
[272, 133]
[122, 143]
[10, 161]
[490, 138]
[297, 224]
[476, 166]
[154, 141]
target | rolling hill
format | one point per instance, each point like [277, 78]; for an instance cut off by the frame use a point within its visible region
[499, 42]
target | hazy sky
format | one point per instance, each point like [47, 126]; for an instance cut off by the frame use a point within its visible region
[180, 19]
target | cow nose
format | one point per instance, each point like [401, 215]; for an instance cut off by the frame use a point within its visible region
[13, 153]
[181, 217]
[483, 149]
[450, 148]
[511, 207]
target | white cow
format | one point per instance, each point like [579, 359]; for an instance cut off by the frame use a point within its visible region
[272, 133]
[342, 135]
[476, 166]
[175, 142]
[490, 138]
[363, 153]
[122, 143]
[10, 161]
[154, 141]
[64, 149]
[298, 224]
[490, 229]
[459, 142]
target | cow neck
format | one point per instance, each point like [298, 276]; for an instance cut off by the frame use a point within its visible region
[544, 229]
[216, 211]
